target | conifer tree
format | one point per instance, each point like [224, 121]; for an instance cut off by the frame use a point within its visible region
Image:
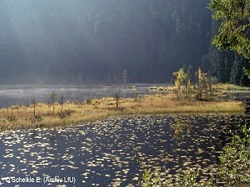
[234, 35]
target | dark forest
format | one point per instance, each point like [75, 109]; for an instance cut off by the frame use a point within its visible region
[87, 42]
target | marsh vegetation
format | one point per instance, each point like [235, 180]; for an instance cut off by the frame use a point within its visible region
[113, 146]
[60, 112]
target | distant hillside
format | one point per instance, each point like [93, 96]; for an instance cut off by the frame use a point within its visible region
[82, 41]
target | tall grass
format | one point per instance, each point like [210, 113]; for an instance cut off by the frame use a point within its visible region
[74, 113]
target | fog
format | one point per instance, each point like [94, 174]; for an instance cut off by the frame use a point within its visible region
[94, 41]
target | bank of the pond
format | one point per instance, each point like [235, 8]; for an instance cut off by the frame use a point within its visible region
[68, 113]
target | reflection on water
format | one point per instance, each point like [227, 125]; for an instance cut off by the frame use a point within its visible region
[109, 152]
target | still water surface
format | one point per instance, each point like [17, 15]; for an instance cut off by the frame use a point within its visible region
[111, 152]
[23, 94]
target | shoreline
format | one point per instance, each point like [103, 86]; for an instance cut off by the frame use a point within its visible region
[68, 114]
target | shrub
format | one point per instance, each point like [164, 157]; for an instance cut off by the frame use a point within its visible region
[235, 159]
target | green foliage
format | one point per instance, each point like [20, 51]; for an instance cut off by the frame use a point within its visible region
[182, 83]
[181, 77]
[235, 73]
[148, 37]
[234, 18]
[204, 86]
[235, 159]
[234, 167]
[156, 178]
[153, 178]
[190, 180]
[184, 89]
[227, 66]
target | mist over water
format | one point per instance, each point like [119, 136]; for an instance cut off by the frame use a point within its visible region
[23, 94]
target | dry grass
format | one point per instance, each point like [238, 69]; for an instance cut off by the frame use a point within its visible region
[229, 87]
[75, 113]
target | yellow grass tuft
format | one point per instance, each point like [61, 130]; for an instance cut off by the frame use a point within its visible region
[76, 113]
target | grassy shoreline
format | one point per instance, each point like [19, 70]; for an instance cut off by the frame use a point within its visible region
[22, 117]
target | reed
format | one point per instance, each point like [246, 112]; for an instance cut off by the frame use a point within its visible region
[77, 113]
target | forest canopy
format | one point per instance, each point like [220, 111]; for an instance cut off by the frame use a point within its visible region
[234, 28]
[87, 42]
[95, 41]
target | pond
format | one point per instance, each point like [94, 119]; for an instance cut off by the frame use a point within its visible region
[111, 152]
[23, 94]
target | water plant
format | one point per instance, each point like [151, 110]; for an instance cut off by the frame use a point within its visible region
[153, 178]
[156, 178]
[180, 128]
[235, 159]
[190, 179]
[233, 169]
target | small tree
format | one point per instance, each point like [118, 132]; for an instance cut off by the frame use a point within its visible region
[210, 87]
[199, 84]
[33, 103]
[53, 99]
[184, 86]
[182, 83]
[61, 102]
[204, 85]
[117, 97]
[188, 88]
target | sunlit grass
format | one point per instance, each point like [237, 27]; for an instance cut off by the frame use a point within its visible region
[229, 87]
[95, 109]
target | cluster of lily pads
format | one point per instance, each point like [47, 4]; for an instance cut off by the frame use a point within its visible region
[116, 151]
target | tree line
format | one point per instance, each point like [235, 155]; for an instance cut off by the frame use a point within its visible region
[231, 63]
[86, 42]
